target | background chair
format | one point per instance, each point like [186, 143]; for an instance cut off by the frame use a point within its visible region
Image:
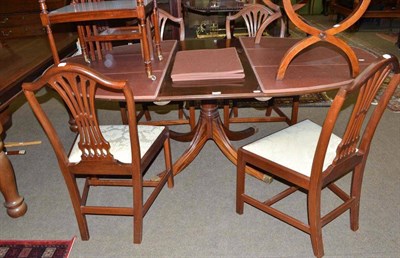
[183, 118]
[164, 17]
[93, 41]
[96, 37]
[258, 18]
[310, 158]
[105, 155]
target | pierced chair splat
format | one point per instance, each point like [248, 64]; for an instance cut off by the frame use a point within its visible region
[310, 158]
[257, 18]
[102, 155]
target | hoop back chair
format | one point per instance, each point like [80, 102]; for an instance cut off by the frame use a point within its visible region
[105, 155]
[310, 158]
[257, 18]
[163, 17]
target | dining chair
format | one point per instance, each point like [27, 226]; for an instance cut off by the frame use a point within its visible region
[309, 158]
[97, 36]
[258, 18]
[164, 19]
[103, 155]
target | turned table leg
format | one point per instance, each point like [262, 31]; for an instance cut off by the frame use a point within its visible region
[14, 203]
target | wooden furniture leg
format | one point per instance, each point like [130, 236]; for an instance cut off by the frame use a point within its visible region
[15, 204]
[210, 127]
[317, 35]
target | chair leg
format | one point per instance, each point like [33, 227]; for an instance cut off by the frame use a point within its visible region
[137, 228]
[168, 163]
[124, 112]
[146, 112]
[240, 182]
[76, 203]
[180, 110]
[226, 114]
[270, 105]
[137, 207]
[314, 220]
[356, 193]
[231, 114]
[295, 110]
[235, 109]
[192, 115]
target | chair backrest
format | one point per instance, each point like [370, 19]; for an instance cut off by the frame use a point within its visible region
[77, 86]
[164, 16]
[355, 144]
[257, 18]
[92, 50]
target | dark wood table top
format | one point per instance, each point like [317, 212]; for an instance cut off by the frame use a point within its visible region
[126, 63]
[320, 68]
[211, 89]
[316, 70]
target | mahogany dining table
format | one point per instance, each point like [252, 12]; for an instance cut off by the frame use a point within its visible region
[320, 68]
[317, 69]
[22, 59]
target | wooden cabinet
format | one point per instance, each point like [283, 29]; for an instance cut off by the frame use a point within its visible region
[20, 18]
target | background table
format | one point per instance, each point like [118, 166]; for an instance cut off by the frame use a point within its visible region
[22, 59]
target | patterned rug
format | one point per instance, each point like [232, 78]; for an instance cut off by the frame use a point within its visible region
[307, 100]
[35, 248]
[391, 37]
[394, 102]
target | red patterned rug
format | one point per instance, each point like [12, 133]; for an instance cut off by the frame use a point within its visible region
[394, 102]
[35, 248]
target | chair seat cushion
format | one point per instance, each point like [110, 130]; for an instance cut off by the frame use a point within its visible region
[294, 147]
[119, 139]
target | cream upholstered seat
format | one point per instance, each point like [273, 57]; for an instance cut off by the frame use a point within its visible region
[309, 158]
[120, 145]
[294, 147]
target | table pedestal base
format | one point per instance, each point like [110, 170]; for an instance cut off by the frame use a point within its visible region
[210, 127]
